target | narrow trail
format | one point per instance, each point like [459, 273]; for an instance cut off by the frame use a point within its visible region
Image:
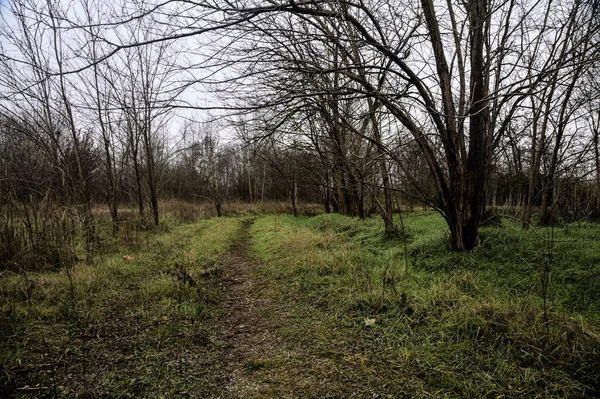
[255, 359]
[243, 325]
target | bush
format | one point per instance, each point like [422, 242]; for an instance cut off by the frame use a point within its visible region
[33, 238]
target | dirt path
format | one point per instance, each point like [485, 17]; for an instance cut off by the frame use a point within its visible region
[257, 358]
[242, 325]
[245, 324]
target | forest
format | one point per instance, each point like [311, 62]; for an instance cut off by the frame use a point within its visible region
[265, 198]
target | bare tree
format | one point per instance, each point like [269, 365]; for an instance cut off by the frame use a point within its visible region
[36, 80]
[454, 77]
[478, 81]
[210, 162]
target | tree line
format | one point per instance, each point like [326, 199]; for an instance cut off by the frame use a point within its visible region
[362, 106]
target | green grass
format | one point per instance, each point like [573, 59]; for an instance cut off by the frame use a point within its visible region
[122, 327]
[452, 324]
[139, 321]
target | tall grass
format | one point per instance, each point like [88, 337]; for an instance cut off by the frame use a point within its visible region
[131, 324]
[466, 325]
[33, 237]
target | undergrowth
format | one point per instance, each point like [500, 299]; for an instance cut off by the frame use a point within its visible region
[134, 324]
[428, 323]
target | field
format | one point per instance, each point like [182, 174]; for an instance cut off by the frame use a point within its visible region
[268, 305]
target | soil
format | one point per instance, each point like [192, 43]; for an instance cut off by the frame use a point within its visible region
[242, 324]
[258, 361]
[253, 343]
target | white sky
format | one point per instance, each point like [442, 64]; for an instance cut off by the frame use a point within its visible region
[196, 51]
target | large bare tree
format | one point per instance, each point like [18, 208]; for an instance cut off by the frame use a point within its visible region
[457, 83]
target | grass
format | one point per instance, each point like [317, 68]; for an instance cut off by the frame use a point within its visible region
[452, 325]
[139, 322]
[134, 324]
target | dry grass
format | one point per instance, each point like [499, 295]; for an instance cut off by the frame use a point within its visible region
[344, 317]
[133, 324]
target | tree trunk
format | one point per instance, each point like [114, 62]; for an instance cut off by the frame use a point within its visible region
[327, 193]
[464, 200]
[151, 173]
[462, 235]
[138, 178]
[596, 138]
[294, 195]
[480, 152]
[85, 202]
[217, 203]
[387, 211]
[262, 190]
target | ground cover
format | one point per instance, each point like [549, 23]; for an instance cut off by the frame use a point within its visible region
[446, 324]
[275, 306]
[133, 324]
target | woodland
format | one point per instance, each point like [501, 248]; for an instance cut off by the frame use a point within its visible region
[264, 198]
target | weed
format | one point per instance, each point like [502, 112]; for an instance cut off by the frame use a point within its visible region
[36, 236]
[253, 365]
[481, 324]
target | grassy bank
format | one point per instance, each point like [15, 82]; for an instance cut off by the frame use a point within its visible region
[448, 324]
[134, 324]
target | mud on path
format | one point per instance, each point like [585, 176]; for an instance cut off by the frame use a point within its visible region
[256, 360]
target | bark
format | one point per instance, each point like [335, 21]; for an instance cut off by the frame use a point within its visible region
[464, 197]
[217, 203]
[151, 175]
[150, 163]
[294, 196]
[133, 143]
[480, 151]
[596, 139]
[112, 195]
[387, 211]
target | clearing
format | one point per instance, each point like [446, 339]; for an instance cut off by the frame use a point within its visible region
[273, 306]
